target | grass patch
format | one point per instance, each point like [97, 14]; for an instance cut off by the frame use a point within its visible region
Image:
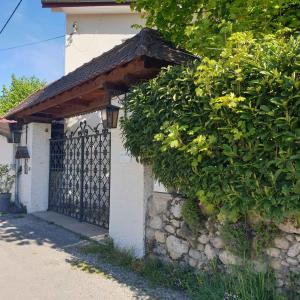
[241, 283]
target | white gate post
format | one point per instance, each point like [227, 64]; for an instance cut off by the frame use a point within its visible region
[34, 186]
[131, 185]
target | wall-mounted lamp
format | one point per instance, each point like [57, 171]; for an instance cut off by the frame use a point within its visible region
[110, 116]
[23, 153]
[16, 133]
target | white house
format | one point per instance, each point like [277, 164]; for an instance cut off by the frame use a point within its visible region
[90, 176]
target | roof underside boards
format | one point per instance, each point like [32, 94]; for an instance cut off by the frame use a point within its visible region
[76, 3]
[86, 89]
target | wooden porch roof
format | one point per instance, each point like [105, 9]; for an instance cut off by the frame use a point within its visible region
[89, 87]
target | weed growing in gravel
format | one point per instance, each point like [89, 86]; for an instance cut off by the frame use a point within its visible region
[241, 283]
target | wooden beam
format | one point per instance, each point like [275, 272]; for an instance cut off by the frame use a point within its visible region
[93, 106]
[150, 63]
[115, 89]
[30, 119]
[116, 76]
[62, 98]
[136, 78]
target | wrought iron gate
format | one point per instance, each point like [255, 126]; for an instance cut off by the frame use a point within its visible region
[80, 175]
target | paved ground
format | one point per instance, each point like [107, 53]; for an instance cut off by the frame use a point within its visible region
[36, 263]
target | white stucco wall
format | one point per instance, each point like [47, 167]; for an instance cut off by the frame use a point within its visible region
[6, 151]
[96, 34]
[7, 157]
[158, 187]
[34, 186]
[131, 185]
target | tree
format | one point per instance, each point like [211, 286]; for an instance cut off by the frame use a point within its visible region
[203, 26]
[19, 90]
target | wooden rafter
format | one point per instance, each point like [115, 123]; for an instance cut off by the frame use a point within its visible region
[88, 97]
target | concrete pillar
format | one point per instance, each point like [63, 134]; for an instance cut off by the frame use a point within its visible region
[131, 185]
[34, 186]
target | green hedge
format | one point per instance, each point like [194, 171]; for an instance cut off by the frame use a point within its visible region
[226, 131]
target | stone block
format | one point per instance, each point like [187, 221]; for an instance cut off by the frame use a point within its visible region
[290, 237]
[195, 254]
[281, 243]
[186, 233]
[158, 204]
[176, 210]
[200, 247]
[276, 264]
[149, 233]
[227, 258]
[203, 239]
[274, 252]
[176, 247]
[193, 262]
[170, 229]
[156, 222]
[160, 236]
[289, 228]
[210, 252]
[217, 243]
[294, 250]
[292, 261]
[175, 223]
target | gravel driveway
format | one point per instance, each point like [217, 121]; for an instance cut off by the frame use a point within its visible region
[36, 263]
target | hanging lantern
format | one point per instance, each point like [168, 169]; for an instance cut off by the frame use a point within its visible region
[16, 132]
[110, 116]
[16, 136]
[22, 152]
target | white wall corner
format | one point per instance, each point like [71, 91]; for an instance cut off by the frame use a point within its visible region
[131, 184]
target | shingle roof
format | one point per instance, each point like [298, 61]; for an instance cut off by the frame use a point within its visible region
[147, 43]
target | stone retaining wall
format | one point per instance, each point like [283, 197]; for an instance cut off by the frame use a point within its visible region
[169, 238]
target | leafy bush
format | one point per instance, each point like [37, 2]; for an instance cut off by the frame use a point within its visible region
[226, 131]
[191, 214]
[245, 240]
[237, 238]
[6, 179]
[203, 26]
[265, 233]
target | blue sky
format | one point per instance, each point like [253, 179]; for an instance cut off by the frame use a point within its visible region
[31, 23]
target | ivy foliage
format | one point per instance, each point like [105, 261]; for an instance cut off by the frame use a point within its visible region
[226, 131]
[19, 90]
[192, 214]
[203, 26]
[237, 238]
